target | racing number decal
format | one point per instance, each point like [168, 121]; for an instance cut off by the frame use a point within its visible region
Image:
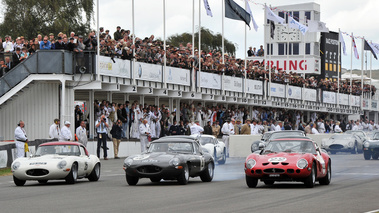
[202, 163]
[85, 166]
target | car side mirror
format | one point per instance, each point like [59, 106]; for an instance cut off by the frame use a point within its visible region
[261, 146]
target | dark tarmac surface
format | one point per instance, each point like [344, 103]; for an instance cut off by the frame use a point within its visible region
[354, 188]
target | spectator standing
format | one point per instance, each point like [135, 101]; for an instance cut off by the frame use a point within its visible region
[246, 129]
[237, 127]
[117, 35]
[59, 45]
[102, 131]
[279, 126]
[314, 130]
[125, 125]
[55, 131]
[16, 57]
[337, 128]
[81, 133]
[8, 44]
[225, 130]
[196, 129]
[21, 139]
[66, 132]
[116, 137]
[78, 116]
[174, 129]
[216, 129]
[144, 131]
[45, 44]
[208, 129]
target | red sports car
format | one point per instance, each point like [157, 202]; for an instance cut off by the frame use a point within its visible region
[289, 159]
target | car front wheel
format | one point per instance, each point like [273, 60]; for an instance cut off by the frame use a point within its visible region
[367, 154]
[184, 177]
[251, 182]
[222, 161]
[18, 182]
[73, 175]
[328, 176]
[132, 180]
[207, 175]
[311, 179]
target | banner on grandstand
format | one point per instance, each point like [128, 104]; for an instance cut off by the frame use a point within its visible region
[278, 90]
[148, 72]
[119, 68]
[178, 76]
[365, 103]
[374, 105]
[209, 80]
[343, 99]
[298, 64]
[294, 92]
[355, 100]
[254, 87]
[329, 97]
[310, 94]
[233, 84]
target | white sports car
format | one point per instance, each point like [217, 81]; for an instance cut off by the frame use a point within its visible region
[57, 160]
[214, 147]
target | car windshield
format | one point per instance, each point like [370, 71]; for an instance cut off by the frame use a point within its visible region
[341, 137]
[175, 147]
[290, 146]
[266, 136]
[58, 150]
[285, 134]
[360, 134]
[206, 140]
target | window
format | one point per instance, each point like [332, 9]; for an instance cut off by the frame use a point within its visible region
[296, 15]
[307, 15]
[281, 14]
[268, 49]
[307, 49]
[82, 152]
[295, 49]
[282, 49]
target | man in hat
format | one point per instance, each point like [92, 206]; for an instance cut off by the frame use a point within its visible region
[55, 131]
[59, 45]
[117, 35]
[21, 139]
[196, 129]
[66, 132]
[51, 37]
[144, 130]
[246, 129]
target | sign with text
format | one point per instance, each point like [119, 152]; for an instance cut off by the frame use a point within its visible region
[294, 92]
[118, 68]
[148, 72]
[209, 80]
[310, 95]
[278, 90]
[343, 99]
[232, 83]
[254, 87]
[178, 76]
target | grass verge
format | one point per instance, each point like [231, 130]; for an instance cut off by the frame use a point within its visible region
[5, 171]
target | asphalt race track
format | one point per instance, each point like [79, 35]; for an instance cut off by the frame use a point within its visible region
[354, 188]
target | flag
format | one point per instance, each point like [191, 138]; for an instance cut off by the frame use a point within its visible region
[375, 47]
[272, 16]
[207, 8]
[355, 48]
[272, 29]
[368, 47]
[251, 14]
[343, 44]
[317, 26]
[292, 23]
[234, 11]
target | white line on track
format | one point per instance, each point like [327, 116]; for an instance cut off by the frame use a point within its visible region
[373, 211]
[368, 174]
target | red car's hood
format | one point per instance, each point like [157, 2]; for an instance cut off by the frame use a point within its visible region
[280, 157]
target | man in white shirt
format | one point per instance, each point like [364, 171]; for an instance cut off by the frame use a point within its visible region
[21, 139]
[55, 131]
[279, 126]
[365, 125]
[196, 129]
[81, 133]
[356, 126]
[225, 130]
[321, 126]
[254, 128]
[66, 132]
[371, 126]
[314, 130]
[102, 127]
[144, 131]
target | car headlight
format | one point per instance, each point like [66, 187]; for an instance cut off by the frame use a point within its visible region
[128, 162]
[62, 164]
[366, 144]
[174, 162]
[302, 164]
[16, 165]
[250, 163]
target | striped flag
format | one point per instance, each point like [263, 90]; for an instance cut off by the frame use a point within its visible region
[355, 48]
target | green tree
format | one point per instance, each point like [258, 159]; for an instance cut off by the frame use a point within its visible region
[29, 18]
[209, 41]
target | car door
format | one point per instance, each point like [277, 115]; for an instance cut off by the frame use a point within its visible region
[198, 160]
[320, 161]
[83, 161]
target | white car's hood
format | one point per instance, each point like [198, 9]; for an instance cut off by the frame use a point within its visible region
[43, 159]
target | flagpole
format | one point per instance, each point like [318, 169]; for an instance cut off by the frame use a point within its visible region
[265, 54]
[351, 66]
[199, 39]
[245, 81]
[134, 41]
[338, 67]
[362, 64]
[193, 45]
[164, 43]
[223, 47]
[370, 79]
[98, 41]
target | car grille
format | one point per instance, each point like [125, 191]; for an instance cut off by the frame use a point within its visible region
[275, 163]
[149, 169]
[37, 172]
[273, 170]
[336, 146]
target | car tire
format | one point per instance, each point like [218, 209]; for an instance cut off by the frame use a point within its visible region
[375, 156]
[184, 177]
[367, 154]
[18, 182]
[73, 175]
[311, 179]
[328, 177]
[355, 149]
[155, 180]
[95, 174]
[42, 181]
[132, 180]
[269, 182]
[251, 182]
[223, 160]
[208, 173]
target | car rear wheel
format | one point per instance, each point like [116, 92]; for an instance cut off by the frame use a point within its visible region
[184, 177]
[208, 173]
[326, 180]
[311, 179]
[223, 160]
[251, 182]
[155, 180]
[269, 182]
[367, 154]
[73, 175]
[95, 174]
[18, 182]
[42, 181]
[132, 180]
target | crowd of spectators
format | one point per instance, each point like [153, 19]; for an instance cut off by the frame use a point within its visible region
[151, 50]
